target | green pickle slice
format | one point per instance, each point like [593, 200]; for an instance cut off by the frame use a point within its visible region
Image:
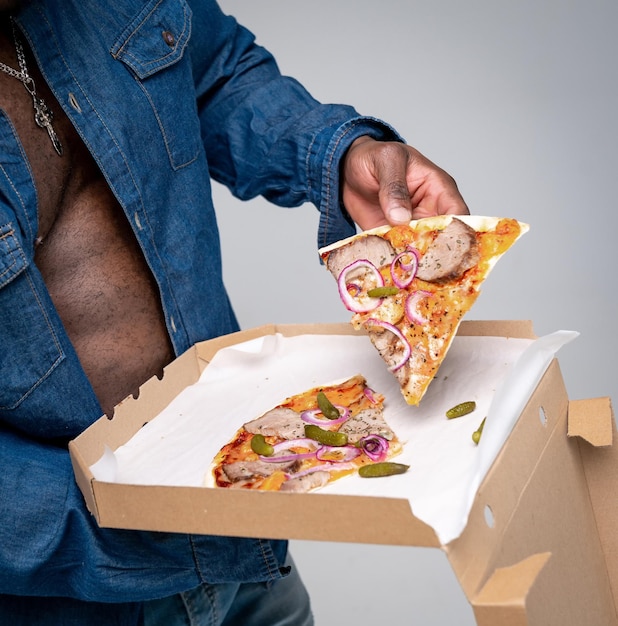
[326, 437]
[476, 435]
[382, 292]
[461, 409]
[386, 468]
[329, 410]
[260, 446]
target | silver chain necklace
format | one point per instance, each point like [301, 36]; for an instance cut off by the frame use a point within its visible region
[43, 115]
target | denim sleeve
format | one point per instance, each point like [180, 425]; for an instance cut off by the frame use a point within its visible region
[326, 154]
[264, 134]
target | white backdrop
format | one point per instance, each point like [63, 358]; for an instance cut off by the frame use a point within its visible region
[518, 101]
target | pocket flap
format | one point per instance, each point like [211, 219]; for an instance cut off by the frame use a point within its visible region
[156, 38]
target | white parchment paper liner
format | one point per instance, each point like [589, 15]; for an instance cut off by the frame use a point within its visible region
[243, 381]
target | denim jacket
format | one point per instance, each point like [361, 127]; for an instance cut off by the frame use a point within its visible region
[166, 94]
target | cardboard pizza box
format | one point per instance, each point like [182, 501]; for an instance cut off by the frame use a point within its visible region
[540, 546]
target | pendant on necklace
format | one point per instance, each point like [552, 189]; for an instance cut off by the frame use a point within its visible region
[43, 115]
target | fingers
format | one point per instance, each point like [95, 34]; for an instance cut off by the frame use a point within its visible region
[433, 191]
[390, 182]
[391, 163]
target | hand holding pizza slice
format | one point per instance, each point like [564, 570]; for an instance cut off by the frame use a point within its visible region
[409, 286]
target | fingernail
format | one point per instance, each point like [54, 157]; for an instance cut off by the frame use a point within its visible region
[399, 214]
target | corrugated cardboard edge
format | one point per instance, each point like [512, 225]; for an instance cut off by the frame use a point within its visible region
[593, 423]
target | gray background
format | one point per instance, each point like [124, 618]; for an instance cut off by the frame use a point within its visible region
[517, 100]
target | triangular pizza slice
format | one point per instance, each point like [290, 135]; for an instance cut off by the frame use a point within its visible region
[409, 286]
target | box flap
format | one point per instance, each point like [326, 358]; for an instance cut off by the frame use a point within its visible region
[591, 420]
[600, 466]
[502, 600]
[536, 500]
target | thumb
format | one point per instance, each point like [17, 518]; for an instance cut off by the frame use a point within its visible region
[391, 166]
[394, 196]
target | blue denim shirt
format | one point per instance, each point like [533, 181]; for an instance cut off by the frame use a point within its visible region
[161, 116]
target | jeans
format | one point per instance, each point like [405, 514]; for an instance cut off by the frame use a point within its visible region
[282, 603]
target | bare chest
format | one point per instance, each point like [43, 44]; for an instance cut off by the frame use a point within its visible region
[85, 250]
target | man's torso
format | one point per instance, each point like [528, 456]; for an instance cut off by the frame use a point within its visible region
[86, 252]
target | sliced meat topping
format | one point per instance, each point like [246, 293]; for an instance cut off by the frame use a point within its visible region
[453, 251]
[282, 422]
[388, 345]
[366, 422]
[243, 470]
[305, 483]
[372, 248]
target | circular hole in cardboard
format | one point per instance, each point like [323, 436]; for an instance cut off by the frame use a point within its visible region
[542, 416]
[489, 516]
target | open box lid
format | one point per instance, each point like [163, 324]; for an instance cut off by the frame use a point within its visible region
[554, 560]
[506, 567]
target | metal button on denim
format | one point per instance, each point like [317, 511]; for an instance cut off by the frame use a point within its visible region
[168, 38]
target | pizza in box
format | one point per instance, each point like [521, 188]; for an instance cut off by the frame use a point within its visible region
[311, 439]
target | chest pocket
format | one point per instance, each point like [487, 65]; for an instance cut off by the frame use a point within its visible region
[153, 46]
[30, 347]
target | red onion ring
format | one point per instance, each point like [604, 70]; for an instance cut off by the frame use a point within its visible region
[350, 452]
[374, 446]
[409, 268]
[410, 307]
[328, 467]
[370, 395]
[407, 350]
[352, 302]
[311, 444]
[311, 417]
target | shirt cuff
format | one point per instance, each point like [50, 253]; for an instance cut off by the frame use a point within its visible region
[335, 223]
